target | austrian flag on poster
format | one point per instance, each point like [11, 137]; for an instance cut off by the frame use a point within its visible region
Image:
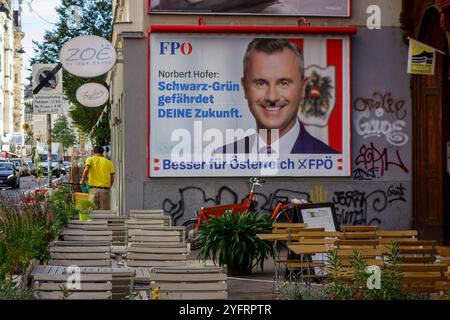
[246, 104]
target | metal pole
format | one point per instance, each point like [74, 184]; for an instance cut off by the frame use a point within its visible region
[49, 149]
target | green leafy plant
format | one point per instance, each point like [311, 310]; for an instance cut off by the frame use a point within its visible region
[24, 234]
[336, 288]
[360, 276]
[391, 278]
[62, 207]
[85, 206]
[231, 240]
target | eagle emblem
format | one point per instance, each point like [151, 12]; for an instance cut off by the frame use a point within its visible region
[319, 100]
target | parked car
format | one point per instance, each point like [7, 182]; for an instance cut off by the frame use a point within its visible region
[65, 167]
[18, 163]
[26, 171]
[56, 171]
[32, 168]
[9, 176]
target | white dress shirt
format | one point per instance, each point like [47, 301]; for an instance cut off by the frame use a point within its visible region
[284, 145]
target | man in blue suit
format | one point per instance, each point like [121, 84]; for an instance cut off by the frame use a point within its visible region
[274, 86]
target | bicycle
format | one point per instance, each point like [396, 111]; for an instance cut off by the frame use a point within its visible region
[288, 210]
[193, 225]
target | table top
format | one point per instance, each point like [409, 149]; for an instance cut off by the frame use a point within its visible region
[277, 236]
[308, 249]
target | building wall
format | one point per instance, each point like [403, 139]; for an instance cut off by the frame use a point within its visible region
[379, 192]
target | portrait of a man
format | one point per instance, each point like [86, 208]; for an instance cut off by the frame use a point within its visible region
[274, 86]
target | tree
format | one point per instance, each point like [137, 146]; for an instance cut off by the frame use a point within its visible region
[95, 19]
[62, 133]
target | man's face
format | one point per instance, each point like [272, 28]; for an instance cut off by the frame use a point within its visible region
[274, 88]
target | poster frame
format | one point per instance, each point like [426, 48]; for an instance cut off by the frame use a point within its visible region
[221, 29]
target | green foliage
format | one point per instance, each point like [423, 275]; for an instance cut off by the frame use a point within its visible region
[391, 278]
[85, 206]
[62, 133]
[62, 207]
[24, 234]
[336, 288]
[359, 281]
[231, 240]
[96, 19]
[27, 226]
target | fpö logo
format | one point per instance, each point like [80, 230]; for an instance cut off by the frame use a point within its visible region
[173, 48]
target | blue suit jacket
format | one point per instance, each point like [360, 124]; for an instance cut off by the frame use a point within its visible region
[305, 143]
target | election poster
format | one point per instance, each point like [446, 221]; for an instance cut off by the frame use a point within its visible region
[322, 8]
[249, 105]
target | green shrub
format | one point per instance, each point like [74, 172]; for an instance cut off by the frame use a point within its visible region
[231, 240]
[62, 206]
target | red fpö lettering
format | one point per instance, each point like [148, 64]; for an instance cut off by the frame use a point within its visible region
[186, 48]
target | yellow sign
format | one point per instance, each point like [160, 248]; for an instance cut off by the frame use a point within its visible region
[421, 58]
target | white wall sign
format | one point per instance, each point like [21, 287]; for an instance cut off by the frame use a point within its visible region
[92, 95]
[51, 104]
[88, 56]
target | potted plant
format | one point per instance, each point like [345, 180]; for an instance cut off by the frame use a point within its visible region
[84, 207]
[231, 240]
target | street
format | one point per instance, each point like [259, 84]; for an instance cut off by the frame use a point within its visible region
[29, 184]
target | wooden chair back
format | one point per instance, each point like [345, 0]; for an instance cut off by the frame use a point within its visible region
[422, 278]
[199, 283]
[122, 280]
[423, 251]
[397, 235]
[355, 244]
[140, 256]
[305, 234]
[153, 220]
[280, 227]
[349, 229]
[86, 235]
[115, 222]
[373, 256]
[55, 287]
[82, 256]
[144, 214]
[156, 236]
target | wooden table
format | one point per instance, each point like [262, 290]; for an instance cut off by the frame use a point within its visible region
[277, 236]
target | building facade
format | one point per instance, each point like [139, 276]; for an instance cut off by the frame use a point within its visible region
[11, 78]
[386, 184]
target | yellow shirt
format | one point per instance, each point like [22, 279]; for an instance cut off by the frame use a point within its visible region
[100, 170]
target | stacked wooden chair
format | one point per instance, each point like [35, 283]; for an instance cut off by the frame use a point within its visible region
[115, 223]
[199, 283]
[63, 287]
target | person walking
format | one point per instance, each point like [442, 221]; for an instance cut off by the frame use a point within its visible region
[100, 173]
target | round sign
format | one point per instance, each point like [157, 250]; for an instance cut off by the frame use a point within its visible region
[92, 95]
[88, 56]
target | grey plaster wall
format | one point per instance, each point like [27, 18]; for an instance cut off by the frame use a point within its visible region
[134, 156]
[380, 190]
